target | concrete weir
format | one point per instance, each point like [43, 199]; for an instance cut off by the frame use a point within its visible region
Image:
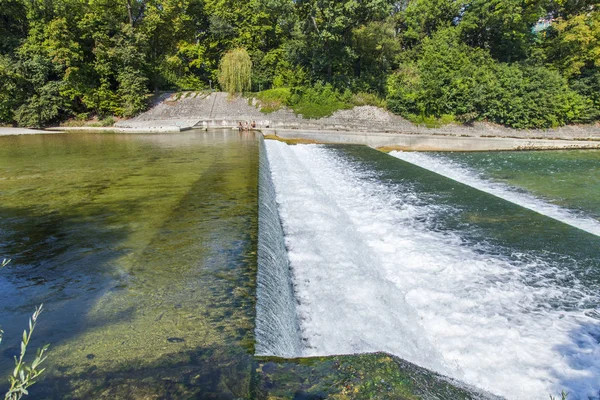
[419, 142]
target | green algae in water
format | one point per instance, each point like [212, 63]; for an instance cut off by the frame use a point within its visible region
[142, 248]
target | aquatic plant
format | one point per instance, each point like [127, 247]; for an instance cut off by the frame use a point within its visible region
[23, 376]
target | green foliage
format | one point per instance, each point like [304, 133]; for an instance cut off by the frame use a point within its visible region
[43, 107]
[367, 99]
[452, 78]
[314, 101]
[432, 122]
[273, 99]
[474, 60]
[318, 101]
[575, 45]
[23, 375]
[422, 18]
[235, 71]
[504, 27]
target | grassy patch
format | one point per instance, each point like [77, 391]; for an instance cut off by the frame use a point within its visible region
[313, 102]
[310, 109]
[273, 99]
[431, 121]
[93, 122]
[367, 99]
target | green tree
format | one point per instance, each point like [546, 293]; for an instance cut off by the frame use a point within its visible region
[453, 78]
[422, 18]
[235, 71]
[375, 46]
[323, 37]
[504, 27]
[575, 45]
[13, 24]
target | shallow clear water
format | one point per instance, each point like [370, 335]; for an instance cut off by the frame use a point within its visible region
[142, 249]
[388, 256]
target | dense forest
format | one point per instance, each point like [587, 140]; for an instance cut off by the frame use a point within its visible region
[520, 63]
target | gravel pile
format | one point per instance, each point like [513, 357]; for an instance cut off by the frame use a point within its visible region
[371, 113]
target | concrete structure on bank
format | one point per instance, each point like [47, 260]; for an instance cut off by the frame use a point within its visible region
[361, 125]
[220, 110]
[417, 142]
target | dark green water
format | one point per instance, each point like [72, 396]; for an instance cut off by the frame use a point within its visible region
[567, 178]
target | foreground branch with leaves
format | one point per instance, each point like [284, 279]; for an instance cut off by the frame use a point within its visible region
[23, 375]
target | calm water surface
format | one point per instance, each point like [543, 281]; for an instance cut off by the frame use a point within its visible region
[142, 249]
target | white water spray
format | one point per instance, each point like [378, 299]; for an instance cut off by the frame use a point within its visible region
[369, 276]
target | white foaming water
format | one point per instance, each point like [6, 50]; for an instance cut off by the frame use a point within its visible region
[459, 173]
[368, 276]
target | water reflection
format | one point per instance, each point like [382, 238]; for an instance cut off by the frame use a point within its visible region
[140, 246]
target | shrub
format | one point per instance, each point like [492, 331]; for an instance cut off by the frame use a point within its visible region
[132, 92]
[311, 102]
[42, 108]
[273, 99]
[318, 101]
[454, 79]
[367, 99]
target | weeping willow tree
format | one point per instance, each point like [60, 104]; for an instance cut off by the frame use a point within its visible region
[235, 71]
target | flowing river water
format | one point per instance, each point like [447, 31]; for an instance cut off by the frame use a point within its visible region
[386, 255]
[170, 267]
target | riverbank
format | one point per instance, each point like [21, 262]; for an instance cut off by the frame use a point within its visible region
[5, 131]
[369, 125]
[220, 110]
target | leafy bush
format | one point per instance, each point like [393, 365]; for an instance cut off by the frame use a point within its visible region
[451, 78]
[318, 101]
[132, 92]
[273, 99]
[43, 107]
[430, 121]
[311, 102]
[367, 99]
[532, 97]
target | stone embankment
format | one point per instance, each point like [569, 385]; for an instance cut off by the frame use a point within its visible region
[365, 124]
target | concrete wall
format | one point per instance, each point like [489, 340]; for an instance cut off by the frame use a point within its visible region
[431, 142]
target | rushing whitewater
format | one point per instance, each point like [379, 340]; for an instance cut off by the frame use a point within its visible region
[370, 274]
[277, 332]
[461, 174]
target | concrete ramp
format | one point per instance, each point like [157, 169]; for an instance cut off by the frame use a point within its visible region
[202, 109]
